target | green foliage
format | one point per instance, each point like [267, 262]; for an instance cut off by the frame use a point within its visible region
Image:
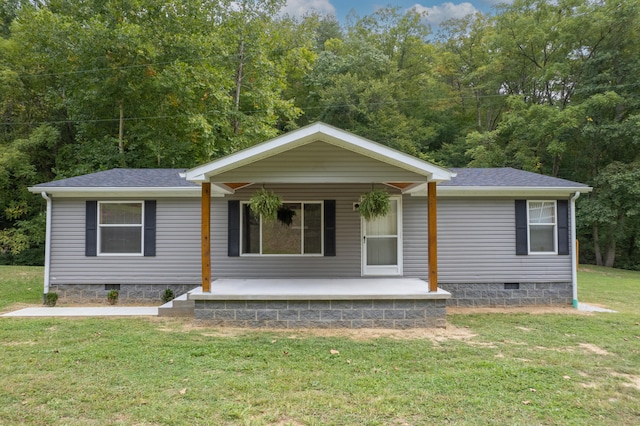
[265, 203]
[546, 86]
[50, 299]
[167, 295]
[374, 204]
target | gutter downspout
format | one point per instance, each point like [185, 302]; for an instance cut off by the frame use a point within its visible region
[574, 265]
[47, 245]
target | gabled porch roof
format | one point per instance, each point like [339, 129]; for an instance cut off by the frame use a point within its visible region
[411, 171]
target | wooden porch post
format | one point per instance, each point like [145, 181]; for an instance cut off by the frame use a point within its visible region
[433, 237]
[205, 233]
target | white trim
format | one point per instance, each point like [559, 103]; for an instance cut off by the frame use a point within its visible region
[113, 191]
[555, 228]
[47, 244]
[502, 191]
[325, 133]
[383, 270]
[301, 254]
[120, 225]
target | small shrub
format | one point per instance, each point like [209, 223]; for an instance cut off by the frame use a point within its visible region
[50, 299]
[167, 296]
[112, 297]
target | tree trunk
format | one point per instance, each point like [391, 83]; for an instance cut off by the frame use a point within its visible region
[479, 111]
[596, 245]
[611, 253]
[236, 98]
[121, 132]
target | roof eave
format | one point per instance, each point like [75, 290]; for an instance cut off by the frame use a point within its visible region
[86, 192]
[501, 191]
[327, 134]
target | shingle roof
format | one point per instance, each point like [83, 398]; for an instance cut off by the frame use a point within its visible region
[124, 178]
[170, 178]
[506, 177]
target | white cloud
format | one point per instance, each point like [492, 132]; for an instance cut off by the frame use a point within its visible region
[298, 8]
[440, 13]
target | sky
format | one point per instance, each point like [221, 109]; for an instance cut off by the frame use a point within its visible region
[437, 10]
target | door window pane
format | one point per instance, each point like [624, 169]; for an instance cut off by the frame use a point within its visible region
[382, 251]
[387, 225]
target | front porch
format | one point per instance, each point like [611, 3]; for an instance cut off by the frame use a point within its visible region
[321, 303]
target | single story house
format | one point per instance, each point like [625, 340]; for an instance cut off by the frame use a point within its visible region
[457, 237]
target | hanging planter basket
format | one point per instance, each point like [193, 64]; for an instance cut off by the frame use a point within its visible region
[265, 203]
[374, 203]
[285, 215]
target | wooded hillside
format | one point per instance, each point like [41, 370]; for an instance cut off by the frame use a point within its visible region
[547, 86]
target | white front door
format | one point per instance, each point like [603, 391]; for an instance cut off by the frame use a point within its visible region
[382, 242]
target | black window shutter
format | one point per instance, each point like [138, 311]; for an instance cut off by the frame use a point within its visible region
[522, 244]
[233, 223]
[563, 227]
[91, 229]
[150, 228]
[329, 227]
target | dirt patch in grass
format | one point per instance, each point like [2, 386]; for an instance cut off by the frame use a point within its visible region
[187, 325]
[632, 381]
[593, 348]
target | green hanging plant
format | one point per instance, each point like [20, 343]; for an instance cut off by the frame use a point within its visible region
[374, 203]
[265, 203]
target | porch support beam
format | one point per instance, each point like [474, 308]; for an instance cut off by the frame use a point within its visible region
[205, 232]
[433, 237]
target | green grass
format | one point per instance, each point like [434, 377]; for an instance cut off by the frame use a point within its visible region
[615, 288]
[20, 284]
[486, 369]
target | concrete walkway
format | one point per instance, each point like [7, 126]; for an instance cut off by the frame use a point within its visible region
[88, 311]
[590, 308]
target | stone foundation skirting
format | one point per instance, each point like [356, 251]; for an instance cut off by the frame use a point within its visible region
[97, 293]
[369, 313]
[508, 294]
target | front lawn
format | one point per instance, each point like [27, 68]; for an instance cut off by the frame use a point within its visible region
[502, 368]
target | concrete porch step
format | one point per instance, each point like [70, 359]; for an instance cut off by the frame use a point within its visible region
[181, 306]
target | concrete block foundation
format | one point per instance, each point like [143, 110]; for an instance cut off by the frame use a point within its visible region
[367, 313]
[508, 294]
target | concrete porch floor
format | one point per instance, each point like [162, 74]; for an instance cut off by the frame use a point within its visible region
[318, 289]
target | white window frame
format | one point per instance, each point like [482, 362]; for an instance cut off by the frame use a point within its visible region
[301, 254]
[100, 226]
[555, 227]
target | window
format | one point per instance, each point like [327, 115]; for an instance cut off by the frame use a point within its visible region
[542, 226]
[297, 231]
[120, 227]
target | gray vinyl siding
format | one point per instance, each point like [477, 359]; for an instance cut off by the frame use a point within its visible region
[415, 231]
[177, 259]
[346, 263]
[318, 162]
[476, 244]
